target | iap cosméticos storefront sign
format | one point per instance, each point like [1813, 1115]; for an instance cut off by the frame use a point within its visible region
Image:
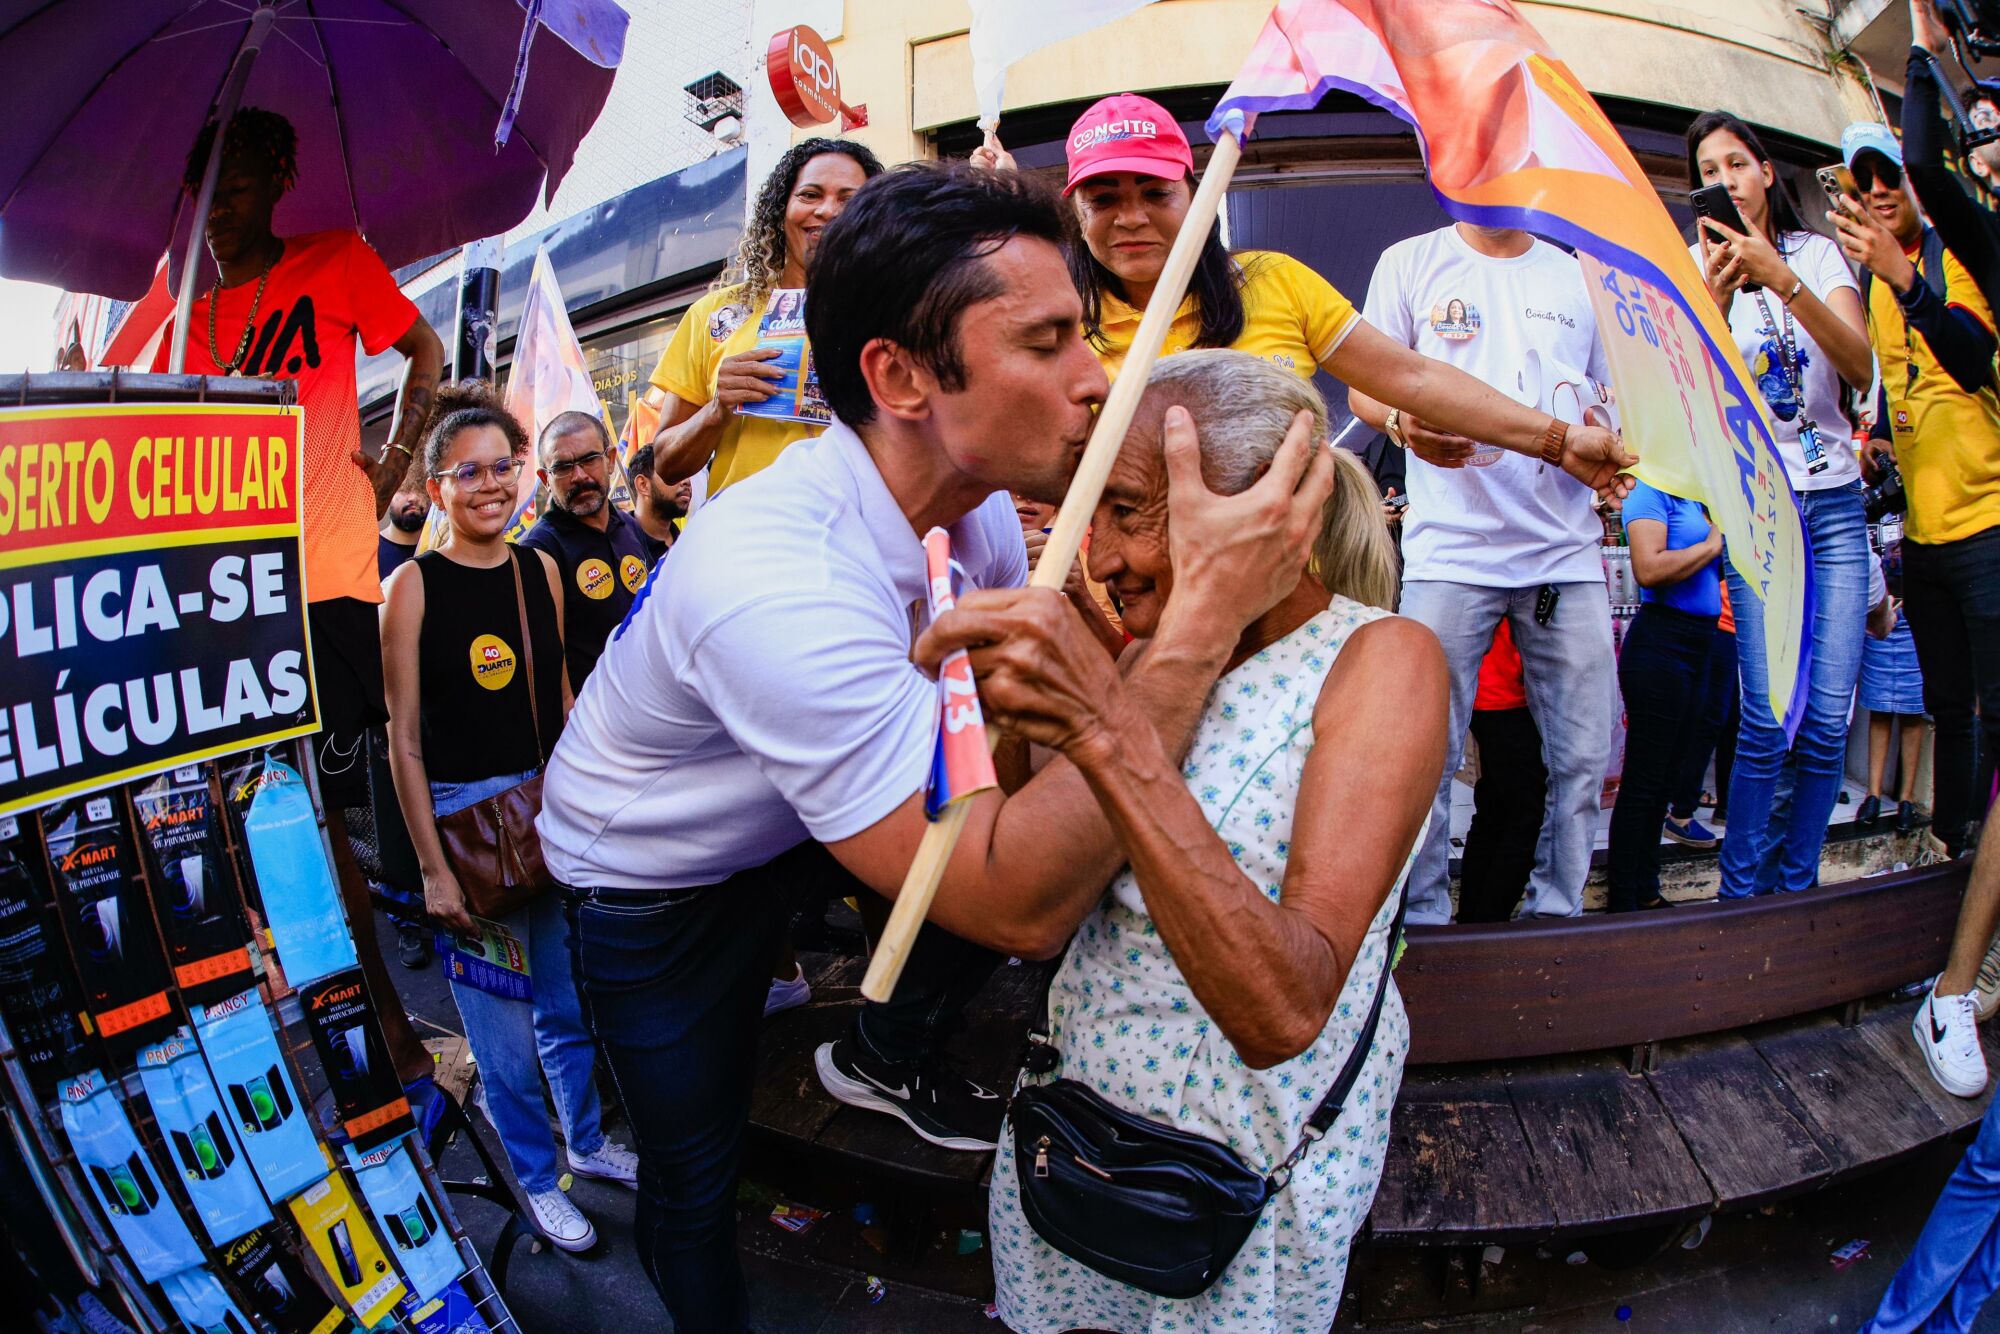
[152, 594]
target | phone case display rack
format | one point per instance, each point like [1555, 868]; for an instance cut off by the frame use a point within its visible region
[36, 1125]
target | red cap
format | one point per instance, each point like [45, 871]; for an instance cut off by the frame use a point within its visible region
[1127, 133]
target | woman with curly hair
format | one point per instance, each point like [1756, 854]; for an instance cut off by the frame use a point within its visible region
[712, 367]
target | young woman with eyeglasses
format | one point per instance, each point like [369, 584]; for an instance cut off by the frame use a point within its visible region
[462, 728]
[1795, 309]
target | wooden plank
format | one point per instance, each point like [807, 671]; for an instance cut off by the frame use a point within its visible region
[1742, 1126]
[1538, 988]
[1856, 1102]
[1458, 1167]
[1605, 1149]
[787, 1099]
[1887, 1030]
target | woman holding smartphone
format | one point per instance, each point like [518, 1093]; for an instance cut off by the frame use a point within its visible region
[1802, 334]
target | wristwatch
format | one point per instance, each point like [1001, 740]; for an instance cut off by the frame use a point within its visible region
[1392, 426]
[1553, 440]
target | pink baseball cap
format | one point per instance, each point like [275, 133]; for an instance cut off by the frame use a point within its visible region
[1127, 133]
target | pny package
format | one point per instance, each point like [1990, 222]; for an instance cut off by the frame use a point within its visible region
[124, 1179]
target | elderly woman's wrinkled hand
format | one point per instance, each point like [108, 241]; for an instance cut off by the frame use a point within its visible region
[1041, 674]
[1235, 557]
[1596, 457]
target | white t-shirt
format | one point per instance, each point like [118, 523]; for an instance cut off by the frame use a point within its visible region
[1504, 520]
[760, 691]
[1821, 267]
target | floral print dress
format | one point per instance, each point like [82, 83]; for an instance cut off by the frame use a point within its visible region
[1125, 1023]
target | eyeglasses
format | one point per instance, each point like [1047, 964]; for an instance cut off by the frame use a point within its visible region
[468, 474]
[564, 467]
[1873, 167]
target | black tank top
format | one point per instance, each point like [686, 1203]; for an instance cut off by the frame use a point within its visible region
[475, 719]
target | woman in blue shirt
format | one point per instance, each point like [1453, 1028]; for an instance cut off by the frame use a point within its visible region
[1676, 557]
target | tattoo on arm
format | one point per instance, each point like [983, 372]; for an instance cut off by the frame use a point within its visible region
[412, 413]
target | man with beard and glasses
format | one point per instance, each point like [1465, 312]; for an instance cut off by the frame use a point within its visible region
[655, 505]
[601, 553]
[401, 527]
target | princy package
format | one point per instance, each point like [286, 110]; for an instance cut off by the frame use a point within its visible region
[198, 1298]
[301, 906]
[37, 997]
[124, 1179]
[274, 1281]
[274, 1126]
[407, 1216]
[201, 1138]
[348, 1037]
[338, 1231]
[101, 901]
[194, 886]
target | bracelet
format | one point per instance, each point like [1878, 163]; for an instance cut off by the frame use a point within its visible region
[1796, 285]
[405, 448]
[1553, 440]
[1392, 426]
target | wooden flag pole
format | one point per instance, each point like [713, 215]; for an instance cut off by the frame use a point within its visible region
[920, 886]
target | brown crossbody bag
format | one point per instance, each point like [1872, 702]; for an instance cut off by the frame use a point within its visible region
[491, 845]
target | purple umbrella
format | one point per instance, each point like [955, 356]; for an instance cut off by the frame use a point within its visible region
[414, 127]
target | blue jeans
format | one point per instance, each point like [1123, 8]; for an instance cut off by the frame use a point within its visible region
[509, 1037]
[1572, 693]
[1956, 1264]
[1837, 529]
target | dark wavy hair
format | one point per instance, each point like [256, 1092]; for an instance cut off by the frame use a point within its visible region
[904, 260]
[263, 140]
[760, 255]
[1781, 209]
[1217, 288]
[460, 406]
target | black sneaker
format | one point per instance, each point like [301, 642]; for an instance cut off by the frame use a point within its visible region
[413, 945]
[941, 1105]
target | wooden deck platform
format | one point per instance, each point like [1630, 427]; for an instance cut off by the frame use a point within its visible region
[1567, 1079]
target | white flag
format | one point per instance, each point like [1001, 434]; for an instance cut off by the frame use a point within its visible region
[1005, 30]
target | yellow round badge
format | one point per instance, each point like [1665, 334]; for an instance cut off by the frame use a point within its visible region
[633, 571]
[593, 579]
[492, 662]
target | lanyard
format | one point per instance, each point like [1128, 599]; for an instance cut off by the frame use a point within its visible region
[1788, 356]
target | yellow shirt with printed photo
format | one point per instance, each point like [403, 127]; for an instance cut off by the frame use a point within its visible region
[1292, 317]
[1947, 441]
[717, 327]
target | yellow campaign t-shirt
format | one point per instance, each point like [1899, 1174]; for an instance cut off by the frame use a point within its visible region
[717, 327]
[1292, 317]
[1947, 441]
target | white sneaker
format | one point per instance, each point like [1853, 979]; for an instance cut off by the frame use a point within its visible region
[787, 995]
[1986, 990]
[1947, 1033]
[562, 1222]
[611, 1162]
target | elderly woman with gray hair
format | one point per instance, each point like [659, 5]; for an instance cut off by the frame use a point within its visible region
[1236, 968]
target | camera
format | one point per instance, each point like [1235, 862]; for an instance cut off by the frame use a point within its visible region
[1974, 22]
[1886, 495]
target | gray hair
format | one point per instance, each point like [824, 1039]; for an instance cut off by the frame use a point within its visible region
[1242, 406]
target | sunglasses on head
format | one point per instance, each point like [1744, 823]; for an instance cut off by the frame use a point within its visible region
[1871, 167]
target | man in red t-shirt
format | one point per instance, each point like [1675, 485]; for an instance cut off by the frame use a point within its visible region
[295, 308]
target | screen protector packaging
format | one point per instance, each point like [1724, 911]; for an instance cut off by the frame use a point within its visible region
[301, 905]
[37, 998]
[124, 1179]
[339, 1234]
[450, 1312]
[201, 1138]
[198, 1298]
[407, 1215]
[274, 1126]
[194, 888]
[275, 1284]
[495, 961]
[373, 1108]
[101, 900]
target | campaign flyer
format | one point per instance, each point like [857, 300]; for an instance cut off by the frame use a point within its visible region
[101, 899]
[783, 329]
[373, 1108]
[194, 889]
[407, 1216]
[274, 1282]
[37, 998]
[250, 1074]
[200, 1138]
[124, 1179]
[338, 1232]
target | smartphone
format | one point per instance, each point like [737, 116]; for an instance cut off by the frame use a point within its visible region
[1840, 187]
[1713, 202]
[1545, 604]
[1397, 502]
